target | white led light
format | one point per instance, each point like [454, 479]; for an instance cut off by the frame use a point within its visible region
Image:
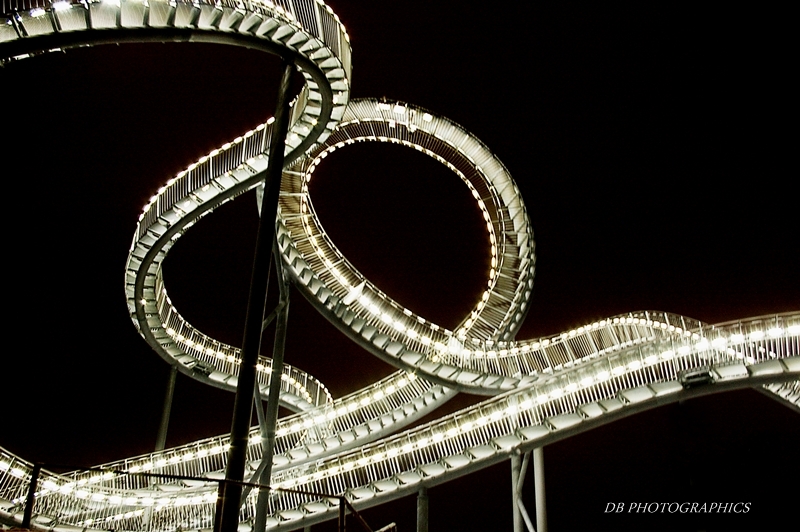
[775, 332]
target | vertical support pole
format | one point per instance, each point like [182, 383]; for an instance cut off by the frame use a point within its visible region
[422, 510]
[273, 399]
[515, 469]
[229, 500]
[217, 511]
[161, 439]
[342, 515]
[26, 516]
[538, 476]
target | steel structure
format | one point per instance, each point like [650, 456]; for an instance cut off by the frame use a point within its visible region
[539, 390]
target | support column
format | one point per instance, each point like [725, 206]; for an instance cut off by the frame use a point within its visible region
[161, 439]
[538, 477]
[229, 500]
[273, 400]
[519, 467]
[515, 470]
[422, 510]
[28, 513]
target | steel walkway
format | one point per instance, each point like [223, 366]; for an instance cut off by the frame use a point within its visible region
[539, 391]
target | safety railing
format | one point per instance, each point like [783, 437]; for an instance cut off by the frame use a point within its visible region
[455, 441]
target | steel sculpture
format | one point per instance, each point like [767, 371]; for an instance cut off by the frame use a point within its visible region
[540, 390]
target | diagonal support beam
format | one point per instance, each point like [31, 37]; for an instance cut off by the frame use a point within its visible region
[519, 466]
[161, 438]
[229, 500]
[271, 417]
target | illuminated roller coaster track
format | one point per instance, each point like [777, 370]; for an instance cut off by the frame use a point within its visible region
[543, 390]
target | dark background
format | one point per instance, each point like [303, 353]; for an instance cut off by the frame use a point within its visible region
[651, 145]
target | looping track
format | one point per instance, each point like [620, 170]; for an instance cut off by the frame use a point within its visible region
[542, 390]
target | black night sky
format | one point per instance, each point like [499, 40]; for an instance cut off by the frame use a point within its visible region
[651, 145]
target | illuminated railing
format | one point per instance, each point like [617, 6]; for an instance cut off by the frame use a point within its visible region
[220, 362]
[499, 425]
[474, 437]
[375, 320]
[542, 388]
[306, 27]
[10, 7]
[363, 416]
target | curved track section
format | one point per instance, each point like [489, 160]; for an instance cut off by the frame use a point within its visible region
[370, 317]
[620, 382]
[543, 390]
[306, 32]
